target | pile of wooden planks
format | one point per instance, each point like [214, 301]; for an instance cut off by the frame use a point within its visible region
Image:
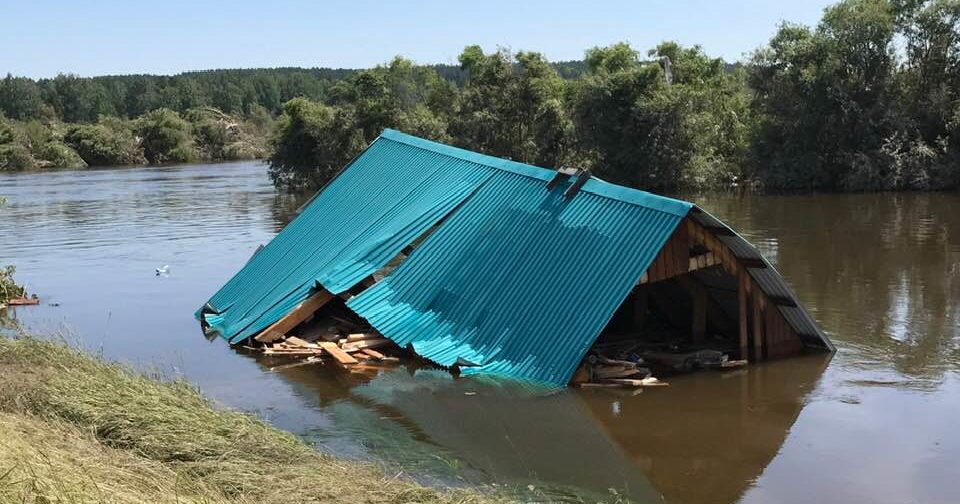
[599, 371]
[347, 352]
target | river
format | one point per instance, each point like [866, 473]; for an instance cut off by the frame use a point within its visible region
[876, 423]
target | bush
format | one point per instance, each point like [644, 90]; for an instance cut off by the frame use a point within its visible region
[16, 157]
[312, 142]
[8, 287]
[166, 137]
[55, 154]
[101, 145]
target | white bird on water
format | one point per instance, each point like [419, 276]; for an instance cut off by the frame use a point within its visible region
[163, 270]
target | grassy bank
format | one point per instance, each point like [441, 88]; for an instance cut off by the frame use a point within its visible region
[75, 429]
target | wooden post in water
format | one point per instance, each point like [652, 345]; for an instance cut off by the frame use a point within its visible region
[699, 310]
[758, 318]
[742, 303]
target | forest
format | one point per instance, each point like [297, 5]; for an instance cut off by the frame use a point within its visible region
[866, 100]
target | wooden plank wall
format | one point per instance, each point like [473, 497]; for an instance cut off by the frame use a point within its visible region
[674, 257]
[768, 334]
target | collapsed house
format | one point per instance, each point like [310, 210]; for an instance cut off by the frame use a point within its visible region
[486, 265]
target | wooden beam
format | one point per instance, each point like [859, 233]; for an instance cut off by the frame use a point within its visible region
[302, 312]
[757, 326]
[695, 263]
[742, 316]
[338, 354]
[699, 311]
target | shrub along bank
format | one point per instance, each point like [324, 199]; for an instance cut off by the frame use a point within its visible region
[160, 136]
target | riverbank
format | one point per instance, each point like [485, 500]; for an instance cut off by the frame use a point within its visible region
[158, 137]
[74, 428]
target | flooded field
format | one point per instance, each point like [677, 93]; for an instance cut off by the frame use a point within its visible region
[876, 423]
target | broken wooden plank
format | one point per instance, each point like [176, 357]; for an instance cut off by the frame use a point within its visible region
[734, 363]
[646, 382]
[361, 336]
[284, 351]
[373, 354]
[297, 342]
[369, 343]
[302, 312]
[338, 354]
[615, 371]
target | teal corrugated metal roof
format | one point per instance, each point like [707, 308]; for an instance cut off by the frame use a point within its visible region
[386, 198]
[517, 281]
[520, 280]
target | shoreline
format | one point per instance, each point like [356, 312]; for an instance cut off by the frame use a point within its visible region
[78, 429]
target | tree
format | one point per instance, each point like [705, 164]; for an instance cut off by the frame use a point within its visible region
[513, 105]
[166, 137]
[311, 143]
[824, 98]
[20, 98]
[107, 143]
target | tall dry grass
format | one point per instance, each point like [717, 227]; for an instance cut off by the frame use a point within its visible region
[75, 429]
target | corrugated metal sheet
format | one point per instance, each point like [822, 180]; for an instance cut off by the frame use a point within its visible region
[520, 281]
[742, 249]
[772, 284]
[388, 197]
[706, 220]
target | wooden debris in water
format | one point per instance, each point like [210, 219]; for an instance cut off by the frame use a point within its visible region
[301, 313]
[337, 353]
[373, 354]
[734, 363]
[367, 343]
[295, 341]
[23, 301]
[362, 336]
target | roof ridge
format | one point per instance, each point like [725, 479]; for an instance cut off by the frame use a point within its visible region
[594, 185]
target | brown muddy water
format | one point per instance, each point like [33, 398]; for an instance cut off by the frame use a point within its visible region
[876, 423]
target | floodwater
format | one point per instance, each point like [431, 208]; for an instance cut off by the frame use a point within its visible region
[876, 423]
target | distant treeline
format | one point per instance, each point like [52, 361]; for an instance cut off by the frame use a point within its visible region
[869, 99]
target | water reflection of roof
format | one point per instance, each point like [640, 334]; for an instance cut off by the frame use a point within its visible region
[705, 442]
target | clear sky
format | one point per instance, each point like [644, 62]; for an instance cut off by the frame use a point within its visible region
[40, 38]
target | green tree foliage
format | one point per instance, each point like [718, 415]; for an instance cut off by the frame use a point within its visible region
[110, 142]
[31, 144]
[312, 142]
[869, 99]
[513, 105]
[166, 138]
[680, 120]
[838, 111]
[20, 98]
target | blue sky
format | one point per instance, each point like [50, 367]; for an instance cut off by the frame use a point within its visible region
[40, 38]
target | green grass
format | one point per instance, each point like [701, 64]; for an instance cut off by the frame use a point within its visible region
[76, 429]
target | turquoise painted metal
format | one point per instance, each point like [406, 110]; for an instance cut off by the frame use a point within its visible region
[516, 280]
[385, 199]
[519, 280]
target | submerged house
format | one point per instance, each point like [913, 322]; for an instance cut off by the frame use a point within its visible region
[491, 266]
